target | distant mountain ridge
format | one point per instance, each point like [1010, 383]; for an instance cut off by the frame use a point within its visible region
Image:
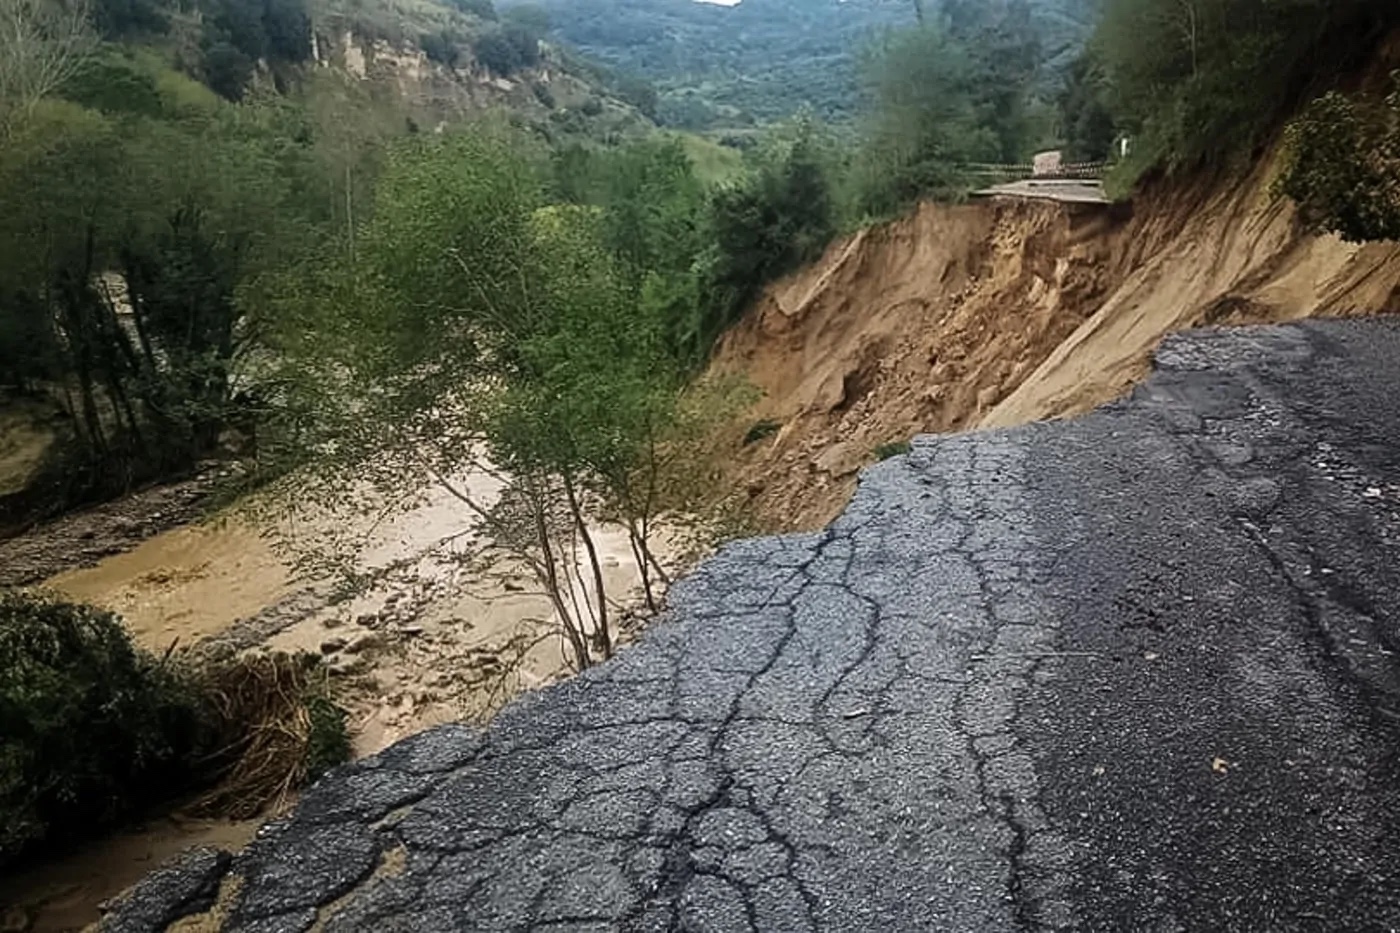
[763, 60]
[759, 61]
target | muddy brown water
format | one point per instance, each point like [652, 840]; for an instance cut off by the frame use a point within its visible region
[438, 639]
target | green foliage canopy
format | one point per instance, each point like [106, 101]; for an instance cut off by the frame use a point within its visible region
[1342, 167]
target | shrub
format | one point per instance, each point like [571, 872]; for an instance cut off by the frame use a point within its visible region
[482, 8]
[497, 53]
[227, 70]
[776, 218]
[93, 730]
[440, 47]
[892, 449]
[90, 728]
[1342, 167]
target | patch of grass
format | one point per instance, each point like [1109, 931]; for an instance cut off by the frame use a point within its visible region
[892, 449]
[761, 430]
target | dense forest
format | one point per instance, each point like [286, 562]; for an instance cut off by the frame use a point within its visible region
[762, 60]
[209, 248]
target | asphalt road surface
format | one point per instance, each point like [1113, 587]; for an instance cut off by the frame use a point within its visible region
[1068, 190]
[1136, 671]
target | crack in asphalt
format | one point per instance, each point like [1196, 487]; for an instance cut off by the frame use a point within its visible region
[996, 694]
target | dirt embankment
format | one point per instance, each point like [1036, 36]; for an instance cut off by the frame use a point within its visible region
[1231, 255]
[920, 325]
[1001, 312]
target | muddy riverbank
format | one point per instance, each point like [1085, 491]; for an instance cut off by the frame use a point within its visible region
[82, 539]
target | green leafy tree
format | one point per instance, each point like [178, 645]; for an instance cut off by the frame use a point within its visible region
[440, 47]
[1197, 80]
[227, 70]
[1088, 125]
[123, 266]
[479, 331]
[531, 16]
[483, 9]
[495, 50]
[121, 19]
[925, 87]
[780, 215]
[1342, 167]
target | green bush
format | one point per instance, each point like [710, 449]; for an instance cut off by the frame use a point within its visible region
[1342, 167]
[440, 47]
[91, 729]
[764, 226]
[482, 8]
[892, 449]
[1195, 81]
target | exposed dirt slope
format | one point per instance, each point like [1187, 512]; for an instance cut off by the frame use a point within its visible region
[996, 313]
[1235, 256]
[920, 325]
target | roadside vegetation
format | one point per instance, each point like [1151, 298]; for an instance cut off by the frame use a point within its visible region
[1205, 83]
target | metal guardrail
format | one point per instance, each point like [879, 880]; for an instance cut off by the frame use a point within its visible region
[1068, 170]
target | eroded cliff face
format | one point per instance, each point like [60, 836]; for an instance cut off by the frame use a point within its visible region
[1236, 255]
[548, 92]
[996, 313]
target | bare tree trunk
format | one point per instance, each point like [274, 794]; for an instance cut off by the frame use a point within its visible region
[551, 569]
[643, 567]
[605, 644]
[349, 209]
[1191, 29]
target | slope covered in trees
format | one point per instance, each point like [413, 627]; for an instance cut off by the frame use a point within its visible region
[1201, 80]
[763, 60]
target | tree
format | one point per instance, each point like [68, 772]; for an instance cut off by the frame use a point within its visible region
[227, 70]
[1002, 45]
[494, 50]
[440, 47]
[924, 85]
[479, 333]
[43, 44]
[780, 215]
[1088, 126]
[1342, 167]
[121, 263]
[531, 16]
[119, 19]
[483, 9]
[1197, 80]
[526, 41]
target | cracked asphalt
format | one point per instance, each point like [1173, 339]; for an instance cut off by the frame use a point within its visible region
[1134, 671]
